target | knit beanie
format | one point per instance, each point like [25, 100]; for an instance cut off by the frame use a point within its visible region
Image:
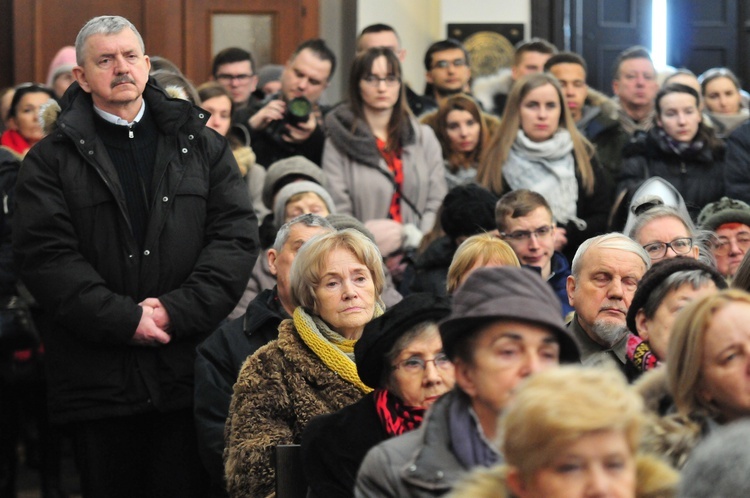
[658, 274]
[269, 73]
[286, 171]
[283, 196]
[63, 62]
[342, 221]
[468, 210]
[726, 210]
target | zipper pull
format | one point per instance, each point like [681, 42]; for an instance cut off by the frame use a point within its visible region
[130, 132]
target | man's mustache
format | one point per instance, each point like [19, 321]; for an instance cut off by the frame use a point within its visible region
[122, 79]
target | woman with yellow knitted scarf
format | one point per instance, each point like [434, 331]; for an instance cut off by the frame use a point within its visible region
[336, 280]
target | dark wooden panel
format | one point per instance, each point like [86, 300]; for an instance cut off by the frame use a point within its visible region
[162, 30]
[6, 44]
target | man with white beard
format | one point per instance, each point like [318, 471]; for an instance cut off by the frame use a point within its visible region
[604, 276]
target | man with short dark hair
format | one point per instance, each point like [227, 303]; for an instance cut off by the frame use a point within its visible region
[595, 115]
[234, 69]
[525, 222]
[221, 355]
[446, 63]
[278, 129]
[383, 35]
[135, 233]
[634, 85]
[605, 274]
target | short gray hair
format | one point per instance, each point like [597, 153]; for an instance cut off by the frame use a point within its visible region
[614, 240]
[696, 278]
[309, 220]
[103, 25]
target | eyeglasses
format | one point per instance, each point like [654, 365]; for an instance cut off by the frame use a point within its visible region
[658, 250]
[241, 78]
[390, 80]
[722, 245]
[415, 364]
[524, 235]
[444, 64]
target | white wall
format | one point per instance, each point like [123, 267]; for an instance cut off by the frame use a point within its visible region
[419, 23]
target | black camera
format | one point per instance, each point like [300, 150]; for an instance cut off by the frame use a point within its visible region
[298, 111]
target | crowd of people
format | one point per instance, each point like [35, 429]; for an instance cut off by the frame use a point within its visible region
[510, 290]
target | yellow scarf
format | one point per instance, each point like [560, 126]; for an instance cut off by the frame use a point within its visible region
[332, 349]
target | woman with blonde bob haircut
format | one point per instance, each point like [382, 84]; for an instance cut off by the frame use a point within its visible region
[572, 432]
[476, 252]
[336, 280]
[538, 147]
[709, 384]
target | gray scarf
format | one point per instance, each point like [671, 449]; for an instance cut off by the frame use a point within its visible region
[547, 168]
[467, 439]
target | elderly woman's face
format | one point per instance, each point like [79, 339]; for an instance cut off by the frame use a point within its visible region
[657, 330]
[422, 373]
[597, 464]
[667, 230]
[346, 293]
[725, 368]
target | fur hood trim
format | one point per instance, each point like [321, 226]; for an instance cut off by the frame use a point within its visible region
[607, 105]
[48, 116]
[353, 137]
[484, 88]
[653, 388]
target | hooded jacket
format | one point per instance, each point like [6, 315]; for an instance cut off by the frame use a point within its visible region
[79, 258]
[600, 124]
[697, 175]
[361, 183]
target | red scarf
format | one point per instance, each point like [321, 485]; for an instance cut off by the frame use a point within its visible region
[396, 166]
[640, 354]
[395, 417]
[14, 141]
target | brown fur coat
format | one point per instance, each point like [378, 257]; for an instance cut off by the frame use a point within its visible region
[667, 433]
[279, 389]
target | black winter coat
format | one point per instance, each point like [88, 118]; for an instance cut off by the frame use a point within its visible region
[334, 446]
[79, 258]
[219, 360]
[697, 176]
[737, 175]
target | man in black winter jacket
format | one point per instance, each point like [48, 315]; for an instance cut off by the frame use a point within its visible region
[135, 233]
[222, 355]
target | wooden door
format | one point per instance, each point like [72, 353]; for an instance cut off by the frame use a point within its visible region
[291, 22]
[703, 34]
[604, 28]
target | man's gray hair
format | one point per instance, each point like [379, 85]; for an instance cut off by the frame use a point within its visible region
[614, 240]
[309, 220]
[103, 25]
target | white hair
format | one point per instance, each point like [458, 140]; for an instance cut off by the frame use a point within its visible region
[614, 240]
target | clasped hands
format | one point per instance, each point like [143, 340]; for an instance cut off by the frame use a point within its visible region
[154, 325]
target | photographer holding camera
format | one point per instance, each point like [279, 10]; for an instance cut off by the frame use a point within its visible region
[290, 122]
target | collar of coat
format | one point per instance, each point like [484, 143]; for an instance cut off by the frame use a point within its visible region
[74, 115]
[353, 137]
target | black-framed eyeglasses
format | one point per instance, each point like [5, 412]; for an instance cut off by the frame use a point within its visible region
[680, 246]
[242, 78]
[390, 80]
[444, 64]
[417, 364]
[524, 235]
[721, 245]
